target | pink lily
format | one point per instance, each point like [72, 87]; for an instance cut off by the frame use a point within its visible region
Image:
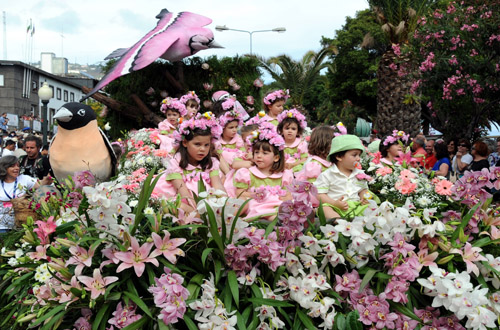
[97, 284]
[469, 255]
[41, 253]
[45, 228]
[426, 259]
[168, 247]
[136, 257]
[80, 257]
[405, 158]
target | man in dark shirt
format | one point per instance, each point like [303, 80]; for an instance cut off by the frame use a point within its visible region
[34, 164]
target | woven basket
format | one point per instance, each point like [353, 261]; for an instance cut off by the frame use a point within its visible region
[22, 210]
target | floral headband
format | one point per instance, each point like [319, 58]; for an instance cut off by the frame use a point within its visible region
[230, 116]
[274, 96]
[203, 121]
[396, 135]
[173, 104]
[267, 134]
[293, 113]
[339, 129]
[191, 95]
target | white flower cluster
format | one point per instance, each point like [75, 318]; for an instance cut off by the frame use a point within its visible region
[17, 254]
[210, 311]
[108, 208]
[455, 292]
[42, 273]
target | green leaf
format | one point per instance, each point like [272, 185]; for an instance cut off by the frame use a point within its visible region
[366, 279]
[256, 291]
[306, 320]
[218, 270]
[138, 301]
[465, 222]
[233, 225]
[99, 316]
[321, 215]
[270, 302]
[240, 321]
[404, 310]
[205, 254]
[131, 287]
[53, 321]
[233, 285]
[190, 324]
[137, 324]
[162, 325]
[270, 227]
[47, 315]
[213, 227]
[340, 322]
[352, 322]
[64, 228]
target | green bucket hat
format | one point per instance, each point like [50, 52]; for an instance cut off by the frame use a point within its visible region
[345, 142]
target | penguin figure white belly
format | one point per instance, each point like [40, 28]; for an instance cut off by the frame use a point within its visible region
[80, 145]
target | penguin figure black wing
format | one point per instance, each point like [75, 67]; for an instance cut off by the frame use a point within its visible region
[80, 145]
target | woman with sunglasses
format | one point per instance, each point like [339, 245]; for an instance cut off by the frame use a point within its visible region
[463, 158]
[480, 154]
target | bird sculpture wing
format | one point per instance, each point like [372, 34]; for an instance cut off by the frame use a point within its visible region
[169, 29]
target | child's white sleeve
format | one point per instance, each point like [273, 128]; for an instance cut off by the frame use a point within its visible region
[322, 183]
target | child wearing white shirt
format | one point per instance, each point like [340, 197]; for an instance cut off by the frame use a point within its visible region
[339, 187]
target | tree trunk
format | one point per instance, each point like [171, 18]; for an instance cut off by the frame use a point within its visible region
[140, 114]
[392, 112]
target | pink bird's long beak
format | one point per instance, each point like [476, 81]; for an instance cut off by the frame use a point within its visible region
[214, 44]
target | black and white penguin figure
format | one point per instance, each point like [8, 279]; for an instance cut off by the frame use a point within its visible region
[80, 145]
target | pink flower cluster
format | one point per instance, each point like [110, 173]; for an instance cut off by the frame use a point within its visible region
[428, 64]
[470, 189]
[124, 316]
[293, 113]
[275, 96]
[83, 179]
[396, 135]
[173, 104]
[203, 121]
[267, 133]
[191, 95]
[261, 193]
[230, 116]
[170, 296]
[229, 103]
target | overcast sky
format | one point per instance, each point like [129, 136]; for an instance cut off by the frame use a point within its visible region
[86, 31]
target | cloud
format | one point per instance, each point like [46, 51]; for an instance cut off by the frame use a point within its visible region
[68, 21]
[136, 21]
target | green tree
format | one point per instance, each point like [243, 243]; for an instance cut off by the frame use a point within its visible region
[398, 20]
[298, 76]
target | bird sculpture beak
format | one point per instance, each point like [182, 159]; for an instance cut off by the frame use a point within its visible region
[63, 115]
[214, 44]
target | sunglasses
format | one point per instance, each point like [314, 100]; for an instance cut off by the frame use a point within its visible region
[462, 145]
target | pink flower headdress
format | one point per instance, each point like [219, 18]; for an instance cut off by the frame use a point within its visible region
[267, 132]
[293, 113]
[276, 95]
[203, 121]
[230, 116]
[396, 135]
[339, 129]
[173, 104]
[191, 95]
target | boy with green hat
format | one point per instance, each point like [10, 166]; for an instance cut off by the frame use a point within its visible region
[343, 188]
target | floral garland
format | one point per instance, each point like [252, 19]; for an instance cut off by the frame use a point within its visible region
[293, 113]
[173, 104]
[230, 116]
[191, 95]
[396, 135]
[339, 129]
[267, 133]
[276, 95]
[203, 121]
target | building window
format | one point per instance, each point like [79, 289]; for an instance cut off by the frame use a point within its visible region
[52, 87]
[34, 86]
[65, 96]
[58, 94]
[72, 97]
[1, 80]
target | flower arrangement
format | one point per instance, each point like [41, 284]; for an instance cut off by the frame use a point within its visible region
[191, 95]
[203, 121]
[272, 97]
[396, 136]
[339, 129]
[293, 113]
[173, 104]
[267, 133]
[230, 116]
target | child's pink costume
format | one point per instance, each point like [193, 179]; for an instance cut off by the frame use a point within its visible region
[166, 130]
[230, 150]
[190, 176]
[312, 168]
[247, 178]
[296, 152]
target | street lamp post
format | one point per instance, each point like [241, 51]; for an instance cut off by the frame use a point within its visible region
[45, 94]
[222, 28]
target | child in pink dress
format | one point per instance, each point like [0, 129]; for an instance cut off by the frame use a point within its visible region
[264, 181]
[192, 104]
[174, 110]
[291, 126]
[273, 106]
[192, 161]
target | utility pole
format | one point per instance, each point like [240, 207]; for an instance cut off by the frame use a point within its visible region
[4, 36]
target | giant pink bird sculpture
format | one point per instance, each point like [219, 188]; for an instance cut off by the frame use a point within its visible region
[175, 36]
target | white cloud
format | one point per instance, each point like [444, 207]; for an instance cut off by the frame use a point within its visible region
[93, 29]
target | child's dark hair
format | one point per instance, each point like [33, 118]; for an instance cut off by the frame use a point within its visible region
[278, 166]
[217, 108]
[333, 157]
[173, 110]
[321, 141]
[441, 150]
[117, 150]
[286, 122]
[248, 128]
[384, 149]
[206, 162]
[192, 101]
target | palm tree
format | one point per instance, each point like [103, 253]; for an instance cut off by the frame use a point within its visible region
[298, 76]
[398, 19]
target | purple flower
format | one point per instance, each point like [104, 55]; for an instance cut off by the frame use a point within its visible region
[83, 179]
[399, 245]
[396, 291]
